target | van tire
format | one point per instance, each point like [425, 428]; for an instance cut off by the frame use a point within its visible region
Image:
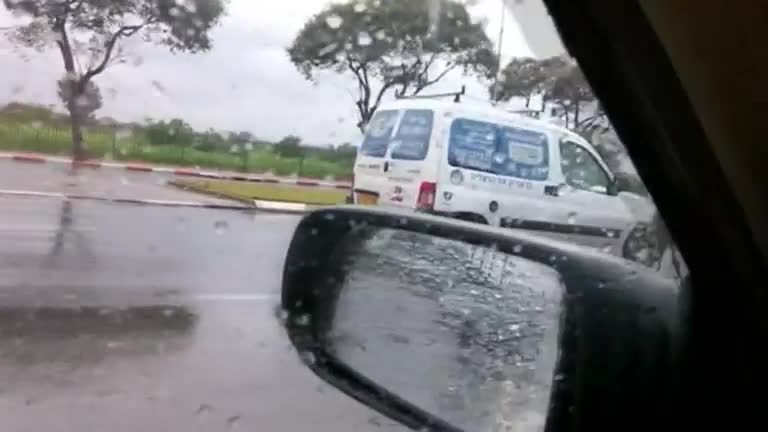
[471, 217]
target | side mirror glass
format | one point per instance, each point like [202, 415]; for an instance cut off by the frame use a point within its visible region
[452, 326]
[464, 332]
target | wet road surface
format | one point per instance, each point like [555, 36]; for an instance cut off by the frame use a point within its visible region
[125, 318]
[99, 182]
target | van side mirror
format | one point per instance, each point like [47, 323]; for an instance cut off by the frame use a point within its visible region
[613, 187]
[627, 182]
[446, 325]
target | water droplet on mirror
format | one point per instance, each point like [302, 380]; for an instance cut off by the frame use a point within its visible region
[334, 21]
[364, 39]
[220, 226]
[517, 248]
[203, 411]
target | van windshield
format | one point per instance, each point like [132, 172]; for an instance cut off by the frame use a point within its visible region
[498, 149]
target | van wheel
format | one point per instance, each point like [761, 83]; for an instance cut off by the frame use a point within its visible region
[471, 217]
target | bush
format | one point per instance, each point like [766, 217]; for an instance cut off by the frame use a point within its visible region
[133, 145]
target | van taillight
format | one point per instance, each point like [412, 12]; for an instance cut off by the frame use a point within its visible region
[426, 199]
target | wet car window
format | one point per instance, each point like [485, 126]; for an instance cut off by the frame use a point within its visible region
[157, 155]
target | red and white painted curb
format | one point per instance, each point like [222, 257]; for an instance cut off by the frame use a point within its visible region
[183, 172]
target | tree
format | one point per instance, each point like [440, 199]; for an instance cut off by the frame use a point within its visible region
[405, 45]
[88, 35]
[86, 104]
[174, 132]
[242, 137]
[290, 146]
[558, 78]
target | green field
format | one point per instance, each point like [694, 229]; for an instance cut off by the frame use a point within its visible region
[248, 191]
[106, 143]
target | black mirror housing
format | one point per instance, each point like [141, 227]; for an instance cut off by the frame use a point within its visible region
[617, 341]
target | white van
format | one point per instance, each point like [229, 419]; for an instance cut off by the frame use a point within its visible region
[486, 165]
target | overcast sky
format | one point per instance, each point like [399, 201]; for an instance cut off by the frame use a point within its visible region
[246, 82]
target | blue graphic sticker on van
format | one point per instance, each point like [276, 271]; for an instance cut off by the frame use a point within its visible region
[497, 149]
[378, 133]
[411, 141]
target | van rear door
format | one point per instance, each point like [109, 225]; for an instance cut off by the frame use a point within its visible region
[410, 178]
[370, 179]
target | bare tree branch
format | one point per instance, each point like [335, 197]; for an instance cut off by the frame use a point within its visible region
[437, 78]
[124, 31]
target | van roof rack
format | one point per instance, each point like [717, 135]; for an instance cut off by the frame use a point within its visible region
[456, 95]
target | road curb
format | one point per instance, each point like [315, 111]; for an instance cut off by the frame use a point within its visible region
[282, 207]
[177, 171]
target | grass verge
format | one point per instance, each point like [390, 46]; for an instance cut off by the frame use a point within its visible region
[249, 191]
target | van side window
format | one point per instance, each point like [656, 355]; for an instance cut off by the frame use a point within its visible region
[497, 149]
[378, 133]
[581, 170]
[411, 141]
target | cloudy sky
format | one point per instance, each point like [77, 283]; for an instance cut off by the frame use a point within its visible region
[245, 83]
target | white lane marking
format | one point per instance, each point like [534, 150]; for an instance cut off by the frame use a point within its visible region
[173, 203]
[236, 297]
[38, 228]
[14, 192]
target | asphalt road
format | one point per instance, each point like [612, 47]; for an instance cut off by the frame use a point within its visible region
[123, 318]
[98, 182]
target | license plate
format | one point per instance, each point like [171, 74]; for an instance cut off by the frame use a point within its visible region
[366, 198]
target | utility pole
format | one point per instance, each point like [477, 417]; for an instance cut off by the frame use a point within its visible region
[498, 53]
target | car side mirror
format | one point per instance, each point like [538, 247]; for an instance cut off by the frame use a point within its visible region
[446, 325]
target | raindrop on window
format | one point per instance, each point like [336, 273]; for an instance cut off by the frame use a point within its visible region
[203, 411]
[123, 133]
[572, 217]
[517, 248]
[360, 7]
[220, 226]
[281, 314]
[334, 21]
[233, 423]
